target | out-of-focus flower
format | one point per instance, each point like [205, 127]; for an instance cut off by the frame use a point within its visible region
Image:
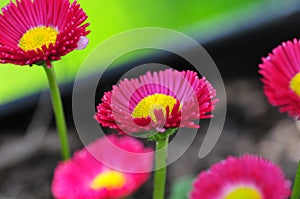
[281, 77]
[85, 177]
[157, 101]
[247, 177]
[40, 31]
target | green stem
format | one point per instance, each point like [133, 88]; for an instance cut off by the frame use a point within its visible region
[161, 163]
[296, 187]
[58, 112]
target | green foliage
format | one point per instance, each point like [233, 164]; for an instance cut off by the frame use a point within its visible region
[181, 188]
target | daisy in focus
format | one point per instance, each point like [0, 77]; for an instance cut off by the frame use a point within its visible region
[41, 31]
[156, 102]
[86, 177]
[281, 77]
[246, 177]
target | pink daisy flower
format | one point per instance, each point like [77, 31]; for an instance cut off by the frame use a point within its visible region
[246, 177]
[281, 77]
[85, 177]
[41, 31]
[157, 101]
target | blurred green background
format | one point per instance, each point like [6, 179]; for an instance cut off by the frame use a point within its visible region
[202, 20]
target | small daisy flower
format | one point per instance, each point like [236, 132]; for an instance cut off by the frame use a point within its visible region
[157, 101]
[85, 177]
[246, 177]
[281, 77]
[41, 31]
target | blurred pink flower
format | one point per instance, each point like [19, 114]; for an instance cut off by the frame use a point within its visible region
[40, 31]
[157, 101]
[86, 177]
[281, 77]
[246, 177]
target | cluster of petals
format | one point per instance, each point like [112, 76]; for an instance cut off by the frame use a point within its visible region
[281, 77]
[41, 16]
[246, 177]
[193, 100]
[74, 178]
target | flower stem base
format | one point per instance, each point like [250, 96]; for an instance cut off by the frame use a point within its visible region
[162, 140]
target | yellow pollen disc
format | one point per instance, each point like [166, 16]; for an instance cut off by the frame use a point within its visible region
[295, 84]
[109, 180]
[37, 37]
[244, 193]
[153, 102]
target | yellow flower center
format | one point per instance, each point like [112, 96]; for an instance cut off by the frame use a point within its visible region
[244, 193]
[37, 37]
[109, 180]
[295, 84]
[153, 102]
